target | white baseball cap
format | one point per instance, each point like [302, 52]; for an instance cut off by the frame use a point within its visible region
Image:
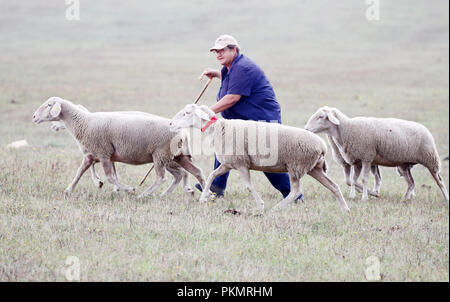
[223, 41]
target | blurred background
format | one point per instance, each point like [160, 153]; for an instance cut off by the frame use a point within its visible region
[147, 55]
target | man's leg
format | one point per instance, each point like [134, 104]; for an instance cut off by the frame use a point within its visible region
[280, 181]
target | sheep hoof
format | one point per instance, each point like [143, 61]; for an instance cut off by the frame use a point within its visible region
[203, 200]
[407, 197]
[130, 190]
[68, 191]
[100, 184]
[189, 191]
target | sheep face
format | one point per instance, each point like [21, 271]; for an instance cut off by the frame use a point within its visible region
[322, 121]
[191, 116]
[49, 111]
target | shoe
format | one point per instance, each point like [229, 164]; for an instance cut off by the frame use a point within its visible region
[219, 192]
[300, 197]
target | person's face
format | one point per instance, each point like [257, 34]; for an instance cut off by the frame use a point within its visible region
[225, 56]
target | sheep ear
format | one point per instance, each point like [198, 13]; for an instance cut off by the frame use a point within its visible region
[188, 108]
[208, 111]
[56, 110]
[332, 117]
[202, 114]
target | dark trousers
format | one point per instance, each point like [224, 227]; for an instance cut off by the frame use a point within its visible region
[280, 181]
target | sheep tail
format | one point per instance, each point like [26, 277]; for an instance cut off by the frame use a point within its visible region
[325, 166]
[322, 163]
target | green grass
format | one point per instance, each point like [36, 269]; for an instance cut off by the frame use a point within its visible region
[147, 57]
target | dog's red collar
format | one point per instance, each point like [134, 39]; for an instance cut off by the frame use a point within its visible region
[212, 121]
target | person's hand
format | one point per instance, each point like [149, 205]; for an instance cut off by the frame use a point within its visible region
[211, 73]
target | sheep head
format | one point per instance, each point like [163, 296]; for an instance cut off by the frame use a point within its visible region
[49, 111]
[323, 120]
[191, 116]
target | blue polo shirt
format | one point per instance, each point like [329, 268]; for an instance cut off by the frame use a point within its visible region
[258, 101]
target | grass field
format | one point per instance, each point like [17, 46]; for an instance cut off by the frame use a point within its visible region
[147, 56]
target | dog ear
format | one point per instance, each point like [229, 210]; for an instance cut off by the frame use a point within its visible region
[56, 109]
[332, 117]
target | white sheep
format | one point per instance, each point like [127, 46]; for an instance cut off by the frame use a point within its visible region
[292, 150]
[172, 167]
[380, 141]
[108, 137]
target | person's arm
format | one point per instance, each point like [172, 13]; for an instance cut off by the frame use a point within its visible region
[212, 73]
[226, 102]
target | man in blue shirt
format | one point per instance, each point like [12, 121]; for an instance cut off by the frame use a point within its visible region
[245, 93]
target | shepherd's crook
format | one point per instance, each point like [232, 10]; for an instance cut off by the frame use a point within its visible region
[145, 177]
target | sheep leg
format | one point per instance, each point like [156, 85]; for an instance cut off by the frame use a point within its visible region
[405, 171]
[186, 162]
[358, 187]
[400, 172]
[186, 186]
[116, 188]
[321, 177]
[217, 172]
[437, 177]
[245, 177]
[87, 162]
[160, 179]
[377, 174]
[348, 179]
[176, 180]
[173, 185]
[185, 177]
[347, 172]
[295, 192]
[110, 172]
[354, 183]
[365, 174]
[97, 182]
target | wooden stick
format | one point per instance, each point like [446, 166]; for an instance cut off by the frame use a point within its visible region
[203, 90]
[145, 177]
